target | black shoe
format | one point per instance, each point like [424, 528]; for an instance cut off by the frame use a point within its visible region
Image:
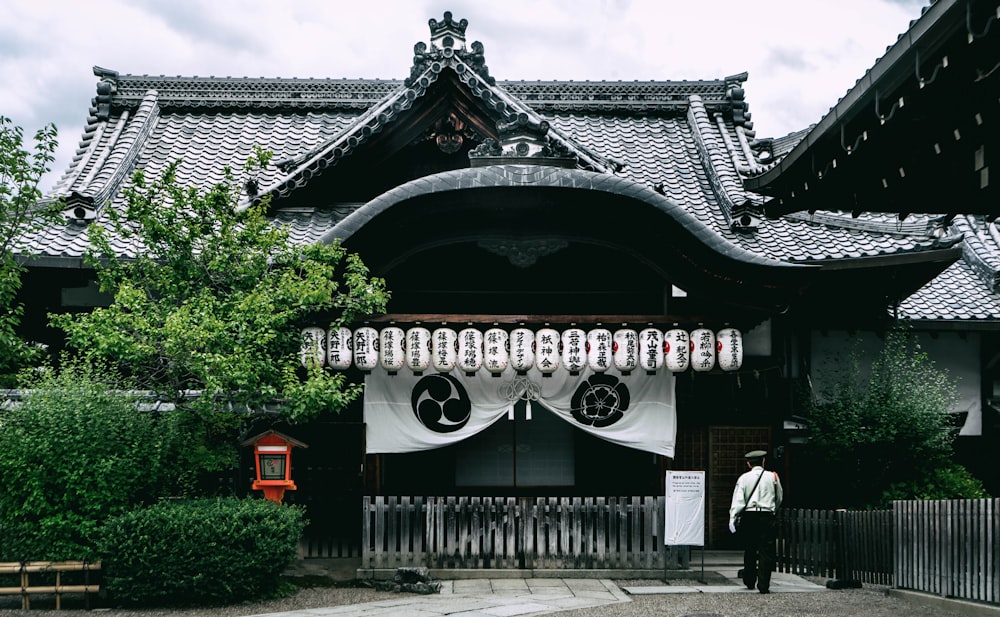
[765, 591]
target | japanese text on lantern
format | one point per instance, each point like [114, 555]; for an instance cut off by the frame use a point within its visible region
[705, 349]
[631, 350]
[573, 352]
[654, 352]
[680, 343]
[388, 348]
[548, 346]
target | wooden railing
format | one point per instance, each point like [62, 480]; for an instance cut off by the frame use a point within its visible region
[514, 532]
[949, 548]
[26, 589]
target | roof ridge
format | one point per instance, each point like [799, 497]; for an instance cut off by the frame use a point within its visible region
[846, 220]
[703, 131]
[981, 259]
[101, 185]
[308, 92]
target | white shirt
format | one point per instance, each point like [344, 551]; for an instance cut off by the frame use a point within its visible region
[767, 495]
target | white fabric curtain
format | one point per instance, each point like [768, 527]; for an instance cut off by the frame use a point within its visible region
[408, 413]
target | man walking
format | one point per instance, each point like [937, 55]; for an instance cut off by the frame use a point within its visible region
[755, 500]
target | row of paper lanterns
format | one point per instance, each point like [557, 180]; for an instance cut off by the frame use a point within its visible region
[494, 350]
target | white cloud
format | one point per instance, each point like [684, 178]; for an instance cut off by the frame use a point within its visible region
[801, 55]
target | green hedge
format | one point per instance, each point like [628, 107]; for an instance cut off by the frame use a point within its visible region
[74, 452]
[211, 551]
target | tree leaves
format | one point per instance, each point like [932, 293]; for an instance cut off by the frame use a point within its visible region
[212, 303]
[21, 172]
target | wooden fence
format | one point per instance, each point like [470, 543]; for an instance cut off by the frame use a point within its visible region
[949, 548]
[847, 545]
[89, 572]
[514, 532]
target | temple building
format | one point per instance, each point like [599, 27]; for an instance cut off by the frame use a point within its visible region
[592, 282]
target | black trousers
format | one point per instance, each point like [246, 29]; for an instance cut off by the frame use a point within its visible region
[758, 533]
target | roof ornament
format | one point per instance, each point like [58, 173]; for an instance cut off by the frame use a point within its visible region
[448, 32]
[80, 209]
[746, 217]
[106, 89]
[448, 41]
[740, 109]
[525, 141]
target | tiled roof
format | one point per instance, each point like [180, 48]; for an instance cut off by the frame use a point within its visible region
[956, 294]
[679, 138]
[970, 288]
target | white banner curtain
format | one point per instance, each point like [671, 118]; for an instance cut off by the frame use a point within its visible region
[409, 413]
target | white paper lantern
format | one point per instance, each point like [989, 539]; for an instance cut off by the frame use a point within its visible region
[444, 349]
[677, 350]
[651, 349]
[522, 349]
[547, 351]
[470, 350]
[313, 349]
[418, 349]
[574, 349]
[626, 349]
[496, 350]
[392, 348]
[599, 352]
[339, 348]
[729, 346]
[366, 348]
[702, 350]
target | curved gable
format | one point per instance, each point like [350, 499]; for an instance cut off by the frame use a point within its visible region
[570, 205]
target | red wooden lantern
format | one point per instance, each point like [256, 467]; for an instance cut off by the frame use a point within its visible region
[272, 455]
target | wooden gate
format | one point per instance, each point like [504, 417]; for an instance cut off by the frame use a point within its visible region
[516, 532]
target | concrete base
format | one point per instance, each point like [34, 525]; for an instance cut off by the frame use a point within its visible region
[381, 574]
[338, 570]
[963, 607]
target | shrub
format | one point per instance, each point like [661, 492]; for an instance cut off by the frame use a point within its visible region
[888, 433]
[212, 551]
[75, 451]
[948, 481]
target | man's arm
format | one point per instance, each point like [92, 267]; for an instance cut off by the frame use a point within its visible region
[739, 502]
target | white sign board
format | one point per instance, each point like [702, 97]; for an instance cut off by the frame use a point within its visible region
[685, 509]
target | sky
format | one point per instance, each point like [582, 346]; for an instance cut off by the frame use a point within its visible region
[802, 56]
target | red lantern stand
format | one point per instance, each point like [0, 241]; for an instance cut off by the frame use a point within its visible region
[273, 461]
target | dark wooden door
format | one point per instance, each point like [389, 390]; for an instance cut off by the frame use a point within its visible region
[726, 447]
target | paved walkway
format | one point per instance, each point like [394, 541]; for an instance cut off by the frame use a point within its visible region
[486, 597]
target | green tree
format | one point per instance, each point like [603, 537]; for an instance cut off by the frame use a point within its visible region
[887, 434]
[21, 210]
[208, 311]
[75, 450]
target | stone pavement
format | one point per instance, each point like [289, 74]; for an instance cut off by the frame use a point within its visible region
[780, 583]
[507, 597]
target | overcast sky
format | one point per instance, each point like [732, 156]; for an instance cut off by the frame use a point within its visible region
[801, 55]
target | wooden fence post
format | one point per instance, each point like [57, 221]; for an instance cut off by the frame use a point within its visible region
[843, 569]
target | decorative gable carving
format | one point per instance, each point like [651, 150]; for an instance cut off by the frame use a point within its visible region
[522, 140]
[450, 132]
